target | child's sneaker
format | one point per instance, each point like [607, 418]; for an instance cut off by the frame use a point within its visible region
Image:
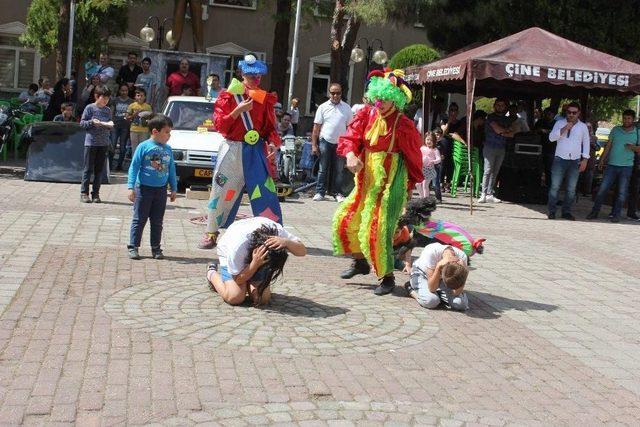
[84, 198]
[209, 241]
[157, 254]
[133, 253]
[96, 199]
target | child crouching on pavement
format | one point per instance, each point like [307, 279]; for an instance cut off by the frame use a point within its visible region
[251, 255]
[438, 277]
[152, 167]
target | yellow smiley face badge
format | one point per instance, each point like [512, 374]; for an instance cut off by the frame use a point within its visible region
[251, 137]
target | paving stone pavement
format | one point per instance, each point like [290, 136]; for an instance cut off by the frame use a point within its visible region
[89, 337]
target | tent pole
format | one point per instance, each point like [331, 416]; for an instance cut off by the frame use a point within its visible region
[471, 86]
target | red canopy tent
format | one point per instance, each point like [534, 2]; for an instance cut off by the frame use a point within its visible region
[533, 62]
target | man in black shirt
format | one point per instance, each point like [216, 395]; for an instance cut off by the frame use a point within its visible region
[129, 73]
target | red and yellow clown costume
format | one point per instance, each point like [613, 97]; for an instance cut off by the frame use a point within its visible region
[389, 147]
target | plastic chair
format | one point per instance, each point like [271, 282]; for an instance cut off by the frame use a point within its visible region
[461, 168]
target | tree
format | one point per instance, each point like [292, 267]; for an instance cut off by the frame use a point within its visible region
[96, 20]
[343, 38]
[348, 15]
[454, 24]
[280, 50]
[415, 54]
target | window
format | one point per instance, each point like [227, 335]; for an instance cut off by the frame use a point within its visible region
[18, 68]
[189, 115]
[240, 4]
[318, 82]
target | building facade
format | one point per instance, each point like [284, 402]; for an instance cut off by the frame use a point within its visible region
[232, 28]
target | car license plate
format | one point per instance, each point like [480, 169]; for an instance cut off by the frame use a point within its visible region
[204, 173]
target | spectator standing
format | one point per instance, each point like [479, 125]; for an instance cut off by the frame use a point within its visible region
[618, 156]
[477, 130]
[129, 72]
[147, 81]
[105, 72]
[496, 132]
[331, 120]
[152, 168]
[285, 128]
[183, 76]
[61, 94]
[135, 113]
[453, 128]
[29, 95]
[66, 113]
[634, 186]
[96, 119]
[295, 114]
[120, 135]
[43, 95]
[214, 79]
[572, 153]
[430, 161]
[87, 96]
[544, 126]
[518, 124]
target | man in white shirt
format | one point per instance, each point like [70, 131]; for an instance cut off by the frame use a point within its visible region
[332, 118]
[572, 153]
[106, 72]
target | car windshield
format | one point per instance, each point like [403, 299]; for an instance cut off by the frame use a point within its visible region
[189, 115]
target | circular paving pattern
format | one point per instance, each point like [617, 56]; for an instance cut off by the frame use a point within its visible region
[312, 319]
[334, 413]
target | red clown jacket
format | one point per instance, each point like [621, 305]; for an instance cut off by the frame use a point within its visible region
[407, 141]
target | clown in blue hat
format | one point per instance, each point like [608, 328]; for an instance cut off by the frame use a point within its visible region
[244, 115]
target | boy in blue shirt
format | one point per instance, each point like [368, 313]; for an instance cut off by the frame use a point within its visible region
[152, 167]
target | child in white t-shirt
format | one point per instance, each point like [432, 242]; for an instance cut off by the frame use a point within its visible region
[251, 255]
[438, 277]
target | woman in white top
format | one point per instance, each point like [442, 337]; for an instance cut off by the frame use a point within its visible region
[251, 255]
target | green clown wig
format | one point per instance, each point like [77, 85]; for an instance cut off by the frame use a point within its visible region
[388, 86]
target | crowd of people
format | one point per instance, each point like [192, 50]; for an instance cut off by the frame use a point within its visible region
[134, 94]
[569, 147]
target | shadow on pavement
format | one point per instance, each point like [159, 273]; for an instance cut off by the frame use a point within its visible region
[488, 306]
[169, 206]
[192, 260]
[319, 252]
[291, 305]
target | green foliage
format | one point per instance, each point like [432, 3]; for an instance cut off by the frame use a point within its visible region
[95, 21]
[415, 54]
[42, 26]
[610, 108]
[453, 24]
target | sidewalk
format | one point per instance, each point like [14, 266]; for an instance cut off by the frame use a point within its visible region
[90, 337]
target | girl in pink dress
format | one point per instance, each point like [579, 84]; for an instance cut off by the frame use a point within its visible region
[430, 160]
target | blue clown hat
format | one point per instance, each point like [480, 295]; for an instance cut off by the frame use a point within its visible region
[251, 65]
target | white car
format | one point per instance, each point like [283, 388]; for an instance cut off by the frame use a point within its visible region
[193, 140]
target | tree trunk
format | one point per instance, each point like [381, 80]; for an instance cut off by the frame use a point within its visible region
[63, 36]
[343, 39]
[281, 48]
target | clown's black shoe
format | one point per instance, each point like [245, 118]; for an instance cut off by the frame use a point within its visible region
[358, 266]
[386, 286]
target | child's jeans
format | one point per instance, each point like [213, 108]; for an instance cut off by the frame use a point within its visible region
[150, 204]
[119, 135]
[94, 159]
[420, 283]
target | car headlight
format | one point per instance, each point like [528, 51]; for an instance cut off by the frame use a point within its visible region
[178, 155]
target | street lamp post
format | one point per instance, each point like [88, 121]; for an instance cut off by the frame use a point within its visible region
[148, 34]
[358, 54]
